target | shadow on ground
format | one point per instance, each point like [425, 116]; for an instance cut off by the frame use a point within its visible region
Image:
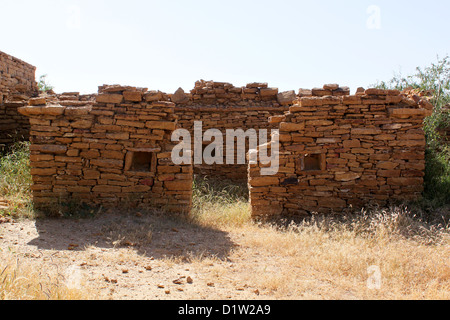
[151, 235]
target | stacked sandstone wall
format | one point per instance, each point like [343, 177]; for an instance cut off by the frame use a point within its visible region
[338, 151]
[113, 150]
[17, 85]
[222, 106]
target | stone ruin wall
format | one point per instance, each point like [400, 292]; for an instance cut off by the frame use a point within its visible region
[337, 150]
[341, 151]
[17, 85]
[110, 150]
[223, 106]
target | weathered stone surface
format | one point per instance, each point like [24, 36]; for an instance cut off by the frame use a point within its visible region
[335, 150]
[178, 185]
[369, 144]
[161, 125]
[348, 176]
[179, 96]
[82, 124]
[49, 149]
[408, 112]
[269, 92]
[134, 96]
[109, 98]
[290, 127]
[108, 163]
[331, 86]
[52, 110]
[37, 101]
[264, 181]
[286, 98]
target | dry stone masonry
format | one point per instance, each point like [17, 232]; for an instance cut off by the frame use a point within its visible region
[115, 149]
[341, 150]
[17, 85]
[223, 106]
[337, 150]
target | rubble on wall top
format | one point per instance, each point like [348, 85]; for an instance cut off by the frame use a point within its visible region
[223, 93]
[116, 88]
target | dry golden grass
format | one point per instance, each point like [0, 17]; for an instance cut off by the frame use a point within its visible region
[220, 204]
[335, 264]
[20, 281]
[330, 256]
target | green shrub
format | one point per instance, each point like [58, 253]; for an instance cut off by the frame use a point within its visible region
[43, 84]
[15, 179]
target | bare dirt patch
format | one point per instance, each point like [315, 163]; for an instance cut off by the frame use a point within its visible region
[154, 257]
[131, 257]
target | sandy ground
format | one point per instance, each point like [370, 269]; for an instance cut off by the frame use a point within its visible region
[141, 257]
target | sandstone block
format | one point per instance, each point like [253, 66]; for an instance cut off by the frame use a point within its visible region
[43, 172]
[320, 92]
[366, 131]
[37, 101]
[291, 127]
[118, 136]
[82, 124]
[136, 189]
[181, 185]
[49, 149]
[107, 189]
[163, 125]
[110, 98]
[108, 163]
[376, 92]
[348, 176]
[319, 123]
[331, 86]
[387, 165]
[262, 85]
[180, 97]
[269, 92]
[134, 96]
[286, 98]
[264, 181]
[352, 144]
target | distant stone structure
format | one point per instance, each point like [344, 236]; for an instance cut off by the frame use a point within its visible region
[223, 106]
[17, 85]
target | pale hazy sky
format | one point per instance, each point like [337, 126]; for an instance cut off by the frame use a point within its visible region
[167, 44]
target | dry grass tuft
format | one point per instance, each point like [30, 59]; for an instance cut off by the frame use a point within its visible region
[220, 203]
[129, 231]
[24, 282]
[333, 256]
[15, 181]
